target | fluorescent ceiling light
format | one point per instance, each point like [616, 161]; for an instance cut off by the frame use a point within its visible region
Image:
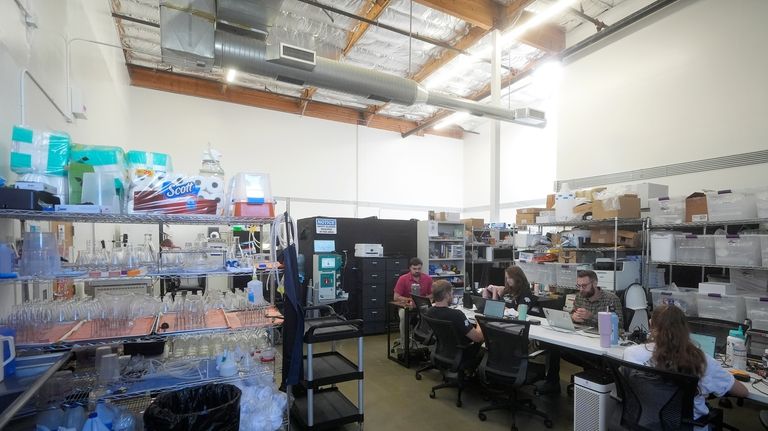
[231, 74]
[451, 119]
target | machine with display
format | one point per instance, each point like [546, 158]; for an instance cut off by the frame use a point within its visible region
[326, 279]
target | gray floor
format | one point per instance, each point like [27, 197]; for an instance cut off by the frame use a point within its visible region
[395, 400]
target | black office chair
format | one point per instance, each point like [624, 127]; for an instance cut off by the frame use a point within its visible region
[450, 355]
[422, 332]
[507, 366]
[653, 399]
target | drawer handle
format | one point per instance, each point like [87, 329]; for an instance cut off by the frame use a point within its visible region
[373, 299]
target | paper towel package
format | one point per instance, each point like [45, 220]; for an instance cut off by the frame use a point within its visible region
[175, 194]
[39, 152]
[147, 163]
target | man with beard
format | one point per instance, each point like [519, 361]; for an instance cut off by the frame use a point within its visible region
[591, 299]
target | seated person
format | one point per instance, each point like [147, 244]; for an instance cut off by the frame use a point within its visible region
[516, 289]
[442, 294]
[591, 299]
[407, 283]
[671, 349]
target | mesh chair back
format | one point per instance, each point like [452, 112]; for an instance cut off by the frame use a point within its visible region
[449, 344]
[422, 331]
[506, 341]
[653, 399]
[714, 328]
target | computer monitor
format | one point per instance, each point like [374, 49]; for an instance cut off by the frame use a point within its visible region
[704, 342]
[494, 308]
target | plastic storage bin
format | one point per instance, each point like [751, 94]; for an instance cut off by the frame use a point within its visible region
[741, 250]
[723, 307]
[757, 311]
[684, 299]
[764, 249]
[667, 210]
[726, 205]
[566, 273]
[663, 246]
[695, 249]
[761, 201]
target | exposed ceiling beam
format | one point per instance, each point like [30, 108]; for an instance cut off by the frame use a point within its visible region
[372, 13]
[215, 90]
[548, 37]
[480, 13]
[473, 36]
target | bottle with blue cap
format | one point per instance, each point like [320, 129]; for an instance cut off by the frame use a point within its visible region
[94, 423]
[736, 349]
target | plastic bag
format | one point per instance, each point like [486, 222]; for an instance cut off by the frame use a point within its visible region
[207, 407]
[38, 152]
[146, 163]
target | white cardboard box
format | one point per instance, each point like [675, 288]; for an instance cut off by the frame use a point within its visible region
[647, 191]
[716, 288]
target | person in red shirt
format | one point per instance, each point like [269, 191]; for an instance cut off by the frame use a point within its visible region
[404, 285]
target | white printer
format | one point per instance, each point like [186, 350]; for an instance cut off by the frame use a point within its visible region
[626, 271]
[369, 250]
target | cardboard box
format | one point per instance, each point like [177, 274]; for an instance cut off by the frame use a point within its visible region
[696, 207]
[571, 256]
[583, 208]
[473, 223]
[628, 208]
[431, 215]
[647, 191]
[604, 236]
[527, 215]
[550, 201]
[589, 194]
[447, 216]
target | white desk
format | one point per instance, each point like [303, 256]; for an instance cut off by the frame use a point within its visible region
[590, 343]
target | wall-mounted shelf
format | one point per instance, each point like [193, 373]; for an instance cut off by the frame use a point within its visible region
[186, 219]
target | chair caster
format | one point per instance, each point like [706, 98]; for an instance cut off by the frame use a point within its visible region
[458, 403]
[482, 417]
[432, 394]
[548, 423]
[418, 376]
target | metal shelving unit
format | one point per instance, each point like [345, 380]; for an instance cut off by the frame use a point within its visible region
[434, 244]
[182, 219]
[481, 264]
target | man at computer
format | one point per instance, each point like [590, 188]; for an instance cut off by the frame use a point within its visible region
[414, 282]
[591, 299]
[442, 294]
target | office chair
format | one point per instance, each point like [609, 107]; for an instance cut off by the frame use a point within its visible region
[450, 355]
[654, 399]
[422, 332]
[506, 366]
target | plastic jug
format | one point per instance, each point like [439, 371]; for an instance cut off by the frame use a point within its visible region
[94, 423]
[735, 338]
[11, 348]
[10, 367]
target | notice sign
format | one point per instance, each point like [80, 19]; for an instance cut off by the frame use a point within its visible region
[326, 226]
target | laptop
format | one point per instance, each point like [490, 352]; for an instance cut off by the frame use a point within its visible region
[561, 320]
[704, 342]
[494, 308]
[479, 303]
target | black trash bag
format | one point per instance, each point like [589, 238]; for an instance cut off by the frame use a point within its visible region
[207, 407]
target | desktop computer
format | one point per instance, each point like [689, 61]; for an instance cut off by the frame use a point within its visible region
[592, 401]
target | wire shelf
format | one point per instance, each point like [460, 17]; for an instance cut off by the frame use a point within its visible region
[708, 223]
[599, 249]
[708, 265]
[134, 218]
[610, 222]
[139, 279]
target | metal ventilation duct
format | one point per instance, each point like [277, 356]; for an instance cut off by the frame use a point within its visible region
[186, 41]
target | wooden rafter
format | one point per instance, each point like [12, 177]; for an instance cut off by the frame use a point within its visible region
[215, 90]
[480, 13]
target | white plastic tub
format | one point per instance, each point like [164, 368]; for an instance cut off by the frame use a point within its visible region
[764, 250]
[663, 246]
[685, 300]
[726, 205]
[741, 250]
[757, 311]
[723, 307]
[667, 210]
[566, 273]
[695, 249]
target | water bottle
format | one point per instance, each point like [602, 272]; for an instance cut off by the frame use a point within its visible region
[106, 415]
[94, 423]
[735, 337]
[614, 329]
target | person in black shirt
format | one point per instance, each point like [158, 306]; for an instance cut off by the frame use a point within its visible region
[442, 294]
[516, 289]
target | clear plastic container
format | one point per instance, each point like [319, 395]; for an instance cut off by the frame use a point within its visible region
[695, 249]
[685, 300]
[667, 210]
[547, 273]
[738, 250]
[761, 201]
[566, 274]
[250, 194]
[764, 250]
[663, 246]
[723, 307]
[757, 311]
[726, 205]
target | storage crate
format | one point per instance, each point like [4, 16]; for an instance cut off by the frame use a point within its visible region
[761, 201]
[546, 273]
[663, 246]
[752, 282]
[685, 299]
[667, 210]
[723, 307]
[566, 274]
[741, 250]
[695, 249]
[764, 249]
[725, 205]
[757, 311]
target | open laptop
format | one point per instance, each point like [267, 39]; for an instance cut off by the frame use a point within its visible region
[704, 342]
[479, 303]
[561, 320]
[494, 308]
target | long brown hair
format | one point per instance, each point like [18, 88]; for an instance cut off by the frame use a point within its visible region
[519, 281]
[674, 350]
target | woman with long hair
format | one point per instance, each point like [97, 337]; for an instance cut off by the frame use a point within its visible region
[516, 289]
[671, 349]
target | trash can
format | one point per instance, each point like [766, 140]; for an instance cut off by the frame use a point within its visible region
[207, 407]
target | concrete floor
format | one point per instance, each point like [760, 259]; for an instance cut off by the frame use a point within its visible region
[395, 400]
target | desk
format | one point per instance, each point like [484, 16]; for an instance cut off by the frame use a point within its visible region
[408, 311]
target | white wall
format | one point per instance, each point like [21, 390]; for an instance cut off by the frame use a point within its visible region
[687, 84]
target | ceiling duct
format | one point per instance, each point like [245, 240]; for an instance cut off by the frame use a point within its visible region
[195, 41]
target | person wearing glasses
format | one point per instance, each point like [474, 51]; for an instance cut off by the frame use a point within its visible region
[591, 299]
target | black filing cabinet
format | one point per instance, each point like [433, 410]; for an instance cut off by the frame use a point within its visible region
[373, 279]
[394, 268]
